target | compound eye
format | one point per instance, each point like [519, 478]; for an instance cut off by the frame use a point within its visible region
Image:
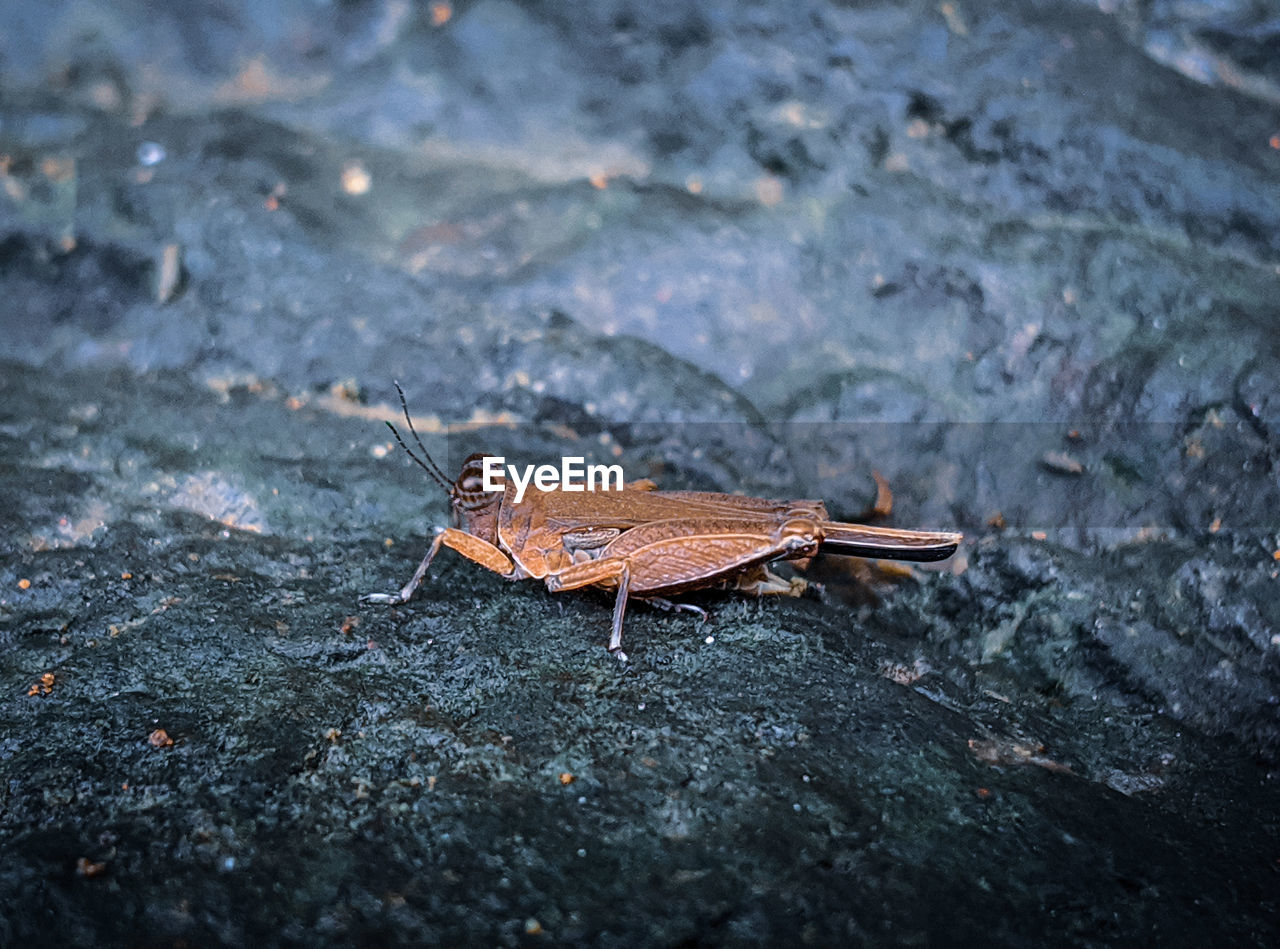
[471, 484]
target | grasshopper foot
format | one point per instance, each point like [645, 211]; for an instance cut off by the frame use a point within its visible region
[618, 654]
[672, 607]
[761, 581]
[393, 599]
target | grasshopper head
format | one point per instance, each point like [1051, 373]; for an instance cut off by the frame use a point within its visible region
[475, 510]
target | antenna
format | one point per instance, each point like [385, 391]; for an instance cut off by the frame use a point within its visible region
[429, 466]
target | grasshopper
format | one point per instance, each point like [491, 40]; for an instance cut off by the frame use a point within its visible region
[644, 543]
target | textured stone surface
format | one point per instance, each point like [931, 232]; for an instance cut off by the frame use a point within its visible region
[1021, 259]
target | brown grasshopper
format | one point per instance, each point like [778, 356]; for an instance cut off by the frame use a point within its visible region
[644, 543]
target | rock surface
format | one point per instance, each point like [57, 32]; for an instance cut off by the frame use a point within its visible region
[1020, 259]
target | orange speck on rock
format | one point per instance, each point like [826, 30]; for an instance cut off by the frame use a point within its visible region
[566, 778]
[24, 584]
[768, 191]
[58, 169]
[160, 739]
[89, 868]
[356, 179]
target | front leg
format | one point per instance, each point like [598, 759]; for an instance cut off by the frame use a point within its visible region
[470, 546]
